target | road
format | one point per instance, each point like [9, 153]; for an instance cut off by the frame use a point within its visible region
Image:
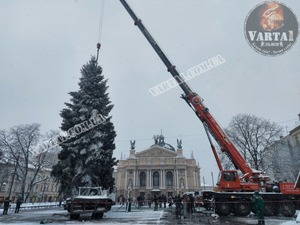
[118, 215]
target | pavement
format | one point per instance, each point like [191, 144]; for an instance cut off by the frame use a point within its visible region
[143, 216]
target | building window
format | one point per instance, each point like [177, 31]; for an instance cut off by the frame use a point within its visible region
[169, 178]
[156, 179]
[142, 179]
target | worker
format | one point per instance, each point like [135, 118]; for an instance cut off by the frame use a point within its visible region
[178, 206]
[258, 204]
[5, 206]
[155, 199]
[18, 205]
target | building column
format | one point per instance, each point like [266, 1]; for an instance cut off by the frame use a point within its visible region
[163, 178]
[126, 179]
[150, 178]
[186, 180]
[177, 181]
[134, 178]
[147, 179]
[194, 176]
[161, 175]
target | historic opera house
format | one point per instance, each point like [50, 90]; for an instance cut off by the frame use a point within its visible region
[159, 169]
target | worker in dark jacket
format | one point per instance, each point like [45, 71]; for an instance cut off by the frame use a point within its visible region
[5, 206]
[18, 204]
[258, 204]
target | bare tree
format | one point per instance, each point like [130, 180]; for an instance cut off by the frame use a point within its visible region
[16, 145]
[5, 172]
[44, 156]
[29, 153]
[253, 135]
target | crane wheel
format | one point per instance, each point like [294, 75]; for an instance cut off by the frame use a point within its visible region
[223, 208]
[287, 209]
[242, 208]
[269, 209]
[108, 205]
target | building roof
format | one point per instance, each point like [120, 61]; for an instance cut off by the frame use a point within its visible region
[295, 129]
[160, 141]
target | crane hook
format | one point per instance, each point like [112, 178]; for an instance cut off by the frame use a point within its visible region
[98, 47]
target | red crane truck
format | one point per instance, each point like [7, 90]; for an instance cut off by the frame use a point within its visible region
[234, 193]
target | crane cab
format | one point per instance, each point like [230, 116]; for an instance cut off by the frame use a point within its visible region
[229, 181]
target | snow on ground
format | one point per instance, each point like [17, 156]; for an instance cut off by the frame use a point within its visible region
[118, 216]
[297, 221]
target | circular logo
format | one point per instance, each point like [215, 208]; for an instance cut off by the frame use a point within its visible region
[271, 28]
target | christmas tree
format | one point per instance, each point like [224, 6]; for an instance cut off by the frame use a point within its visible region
[86, 158]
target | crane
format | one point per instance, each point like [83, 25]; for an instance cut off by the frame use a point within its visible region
[230, 185]
[209, 123]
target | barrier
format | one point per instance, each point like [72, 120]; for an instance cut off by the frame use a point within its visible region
[29, 206]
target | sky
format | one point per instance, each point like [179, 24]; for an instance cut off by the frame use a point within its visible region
[44, 44]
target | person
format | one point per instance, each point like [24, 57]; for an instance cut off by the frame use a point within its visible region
[155, 199]
[160, 201]
[18, 205]
[191, 203]
[185, 199]
[140, 201]
[258, 204]
[170, 201]
[5, 206]
[149, 200]
[178, 207]
[164, 199]
[128, 205]
[60, 201]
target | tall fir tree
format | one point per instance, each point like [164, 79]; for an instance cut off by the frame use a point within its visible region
[87, 159]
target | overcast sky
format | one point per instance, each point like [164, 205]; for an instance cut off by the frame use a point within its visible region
[45, 43]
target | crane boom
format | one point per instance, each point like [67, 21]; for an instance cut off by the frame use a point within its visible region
[196, 103]
[171, 68]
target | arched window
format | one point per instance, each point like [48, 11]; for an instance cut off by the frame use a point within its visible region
[142, 179]
[169, 179]
[156, 179]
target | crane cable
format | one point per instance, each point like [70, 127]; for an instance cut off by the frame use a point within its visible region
[100, 27]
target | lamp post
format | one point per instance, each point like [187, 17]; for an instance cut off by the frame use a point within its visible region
[129, 199]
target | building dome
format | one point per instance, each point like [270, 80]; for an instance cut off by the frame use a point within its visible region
[160, 141]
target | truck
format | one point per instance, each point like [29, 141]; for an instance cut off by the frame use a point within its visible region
[92, 202]
[234, 191]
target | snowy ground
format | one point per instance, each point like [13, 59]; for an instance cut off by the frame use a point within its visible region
[118, 216]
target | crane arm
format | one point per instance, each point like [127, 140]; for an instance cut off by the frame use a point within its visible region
[171, 68]
[196, 103]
